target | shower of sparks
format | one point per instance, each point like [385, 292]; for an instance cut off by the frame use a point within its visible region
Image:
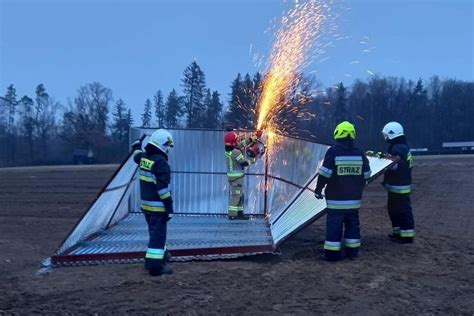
[300, 28]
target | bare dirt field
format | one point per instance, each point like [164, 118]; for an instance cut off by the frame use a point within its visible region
[435, 275]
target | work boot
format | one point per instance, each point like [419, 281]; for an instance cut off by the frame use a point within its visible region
[242, 217]
[332, 256]
[160, 271]
[231, 217]
[166, 270]
[352, 253]
[403, 240]
[393, 236]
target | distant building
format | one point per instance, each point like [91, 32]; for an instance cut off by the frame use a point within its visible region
[459, 145]
[83, 157]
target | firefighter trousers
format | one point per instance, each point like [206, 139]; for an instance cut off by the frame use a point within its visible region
[236, 199]
[156, 252]
[339, 223]
[401, 215]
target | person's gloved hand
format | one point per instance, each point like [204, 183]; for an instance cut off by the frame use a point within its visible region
[168, 202]
[251, 153]
[137, 144]
[318, 195]
[253, 139]
[378, 154]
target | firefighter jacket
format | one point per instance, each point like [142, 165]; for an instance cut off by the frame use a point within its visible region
[345, 171]
[398, 179]
[155, 178]
[236, 163]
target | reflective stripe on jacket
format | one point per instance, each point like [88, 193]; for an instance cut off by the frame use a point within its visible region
[344, 172]
[235, 161]
[155, 175]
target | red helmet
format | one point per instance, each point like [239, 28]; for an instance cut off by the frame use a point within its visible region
[231, 139]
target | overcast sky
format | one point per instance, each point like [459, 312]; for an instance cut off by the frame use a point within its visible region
[137, 47]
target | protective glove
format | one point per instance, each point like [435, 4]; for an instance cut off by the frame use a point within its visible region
[168, 202]
[137, 144]
[251, 153]
[252, 139]
[259, 133]
[318, 195]
[378, 154]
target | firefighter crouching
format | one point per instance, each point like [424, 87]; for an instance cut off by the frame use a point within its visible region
[156, 201]
[236, 164]
[344, 172]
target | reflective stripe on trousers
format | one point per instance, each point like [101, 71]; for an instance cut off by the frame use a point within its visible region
[152, 206]
[343, 204]
[400, 189]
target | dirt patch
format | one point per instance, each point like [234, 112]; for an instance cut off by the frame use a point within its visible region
[39, 206]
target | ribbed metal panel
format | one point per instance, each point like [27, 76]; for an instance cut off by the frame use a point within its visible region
[100, 213]
[200, 187]
[294, 161]
[305, 206]
[199, 182]
[184, 232]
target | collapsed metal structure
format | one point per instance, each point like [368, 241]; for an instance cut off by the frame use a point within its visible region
[279, 195]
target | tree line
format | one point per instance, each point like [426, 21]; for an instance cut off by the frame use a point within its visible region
[38, 129]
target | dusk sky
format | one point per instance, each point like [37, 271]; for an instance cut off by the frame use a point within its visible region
[138, 47]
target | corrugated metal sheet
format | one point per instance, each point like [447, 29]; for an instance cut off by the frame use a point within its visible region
[185, 232]
[199, 186]
[199, 182]
[106, 206]
[294, 161]
[305, 206]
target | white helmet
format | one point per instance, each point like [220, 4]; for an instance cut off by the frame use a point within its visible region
[162, 140]
[392, 130]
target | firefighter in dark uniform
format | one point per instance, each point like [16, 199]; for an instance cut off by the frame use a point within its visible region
[397, 181]
[156, 202]
[344, 172]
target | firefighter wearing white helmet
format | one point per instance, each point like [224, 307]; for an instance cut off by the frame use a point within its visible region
[156, 202]
[392, 130]
[397, 182]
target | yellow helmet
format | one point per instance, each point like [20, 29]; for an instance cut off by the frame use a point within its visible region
[344, 130]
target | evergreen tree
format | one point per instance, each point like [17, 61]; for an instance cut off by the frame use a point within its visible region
[207, 106]
[420, 113]
[27, 124]
[234, 115]
[10, 103]
[213, 109]
[120, 125]
[129, 120]
[194, 83]
[248, 102]
[257, 88]
[146, 116]
[45, 118]
[340, 112]
[173, 109]
[159, 108]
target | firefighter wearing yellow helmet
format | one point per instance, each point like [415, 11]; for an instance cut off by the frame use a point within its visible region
[344, 172]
